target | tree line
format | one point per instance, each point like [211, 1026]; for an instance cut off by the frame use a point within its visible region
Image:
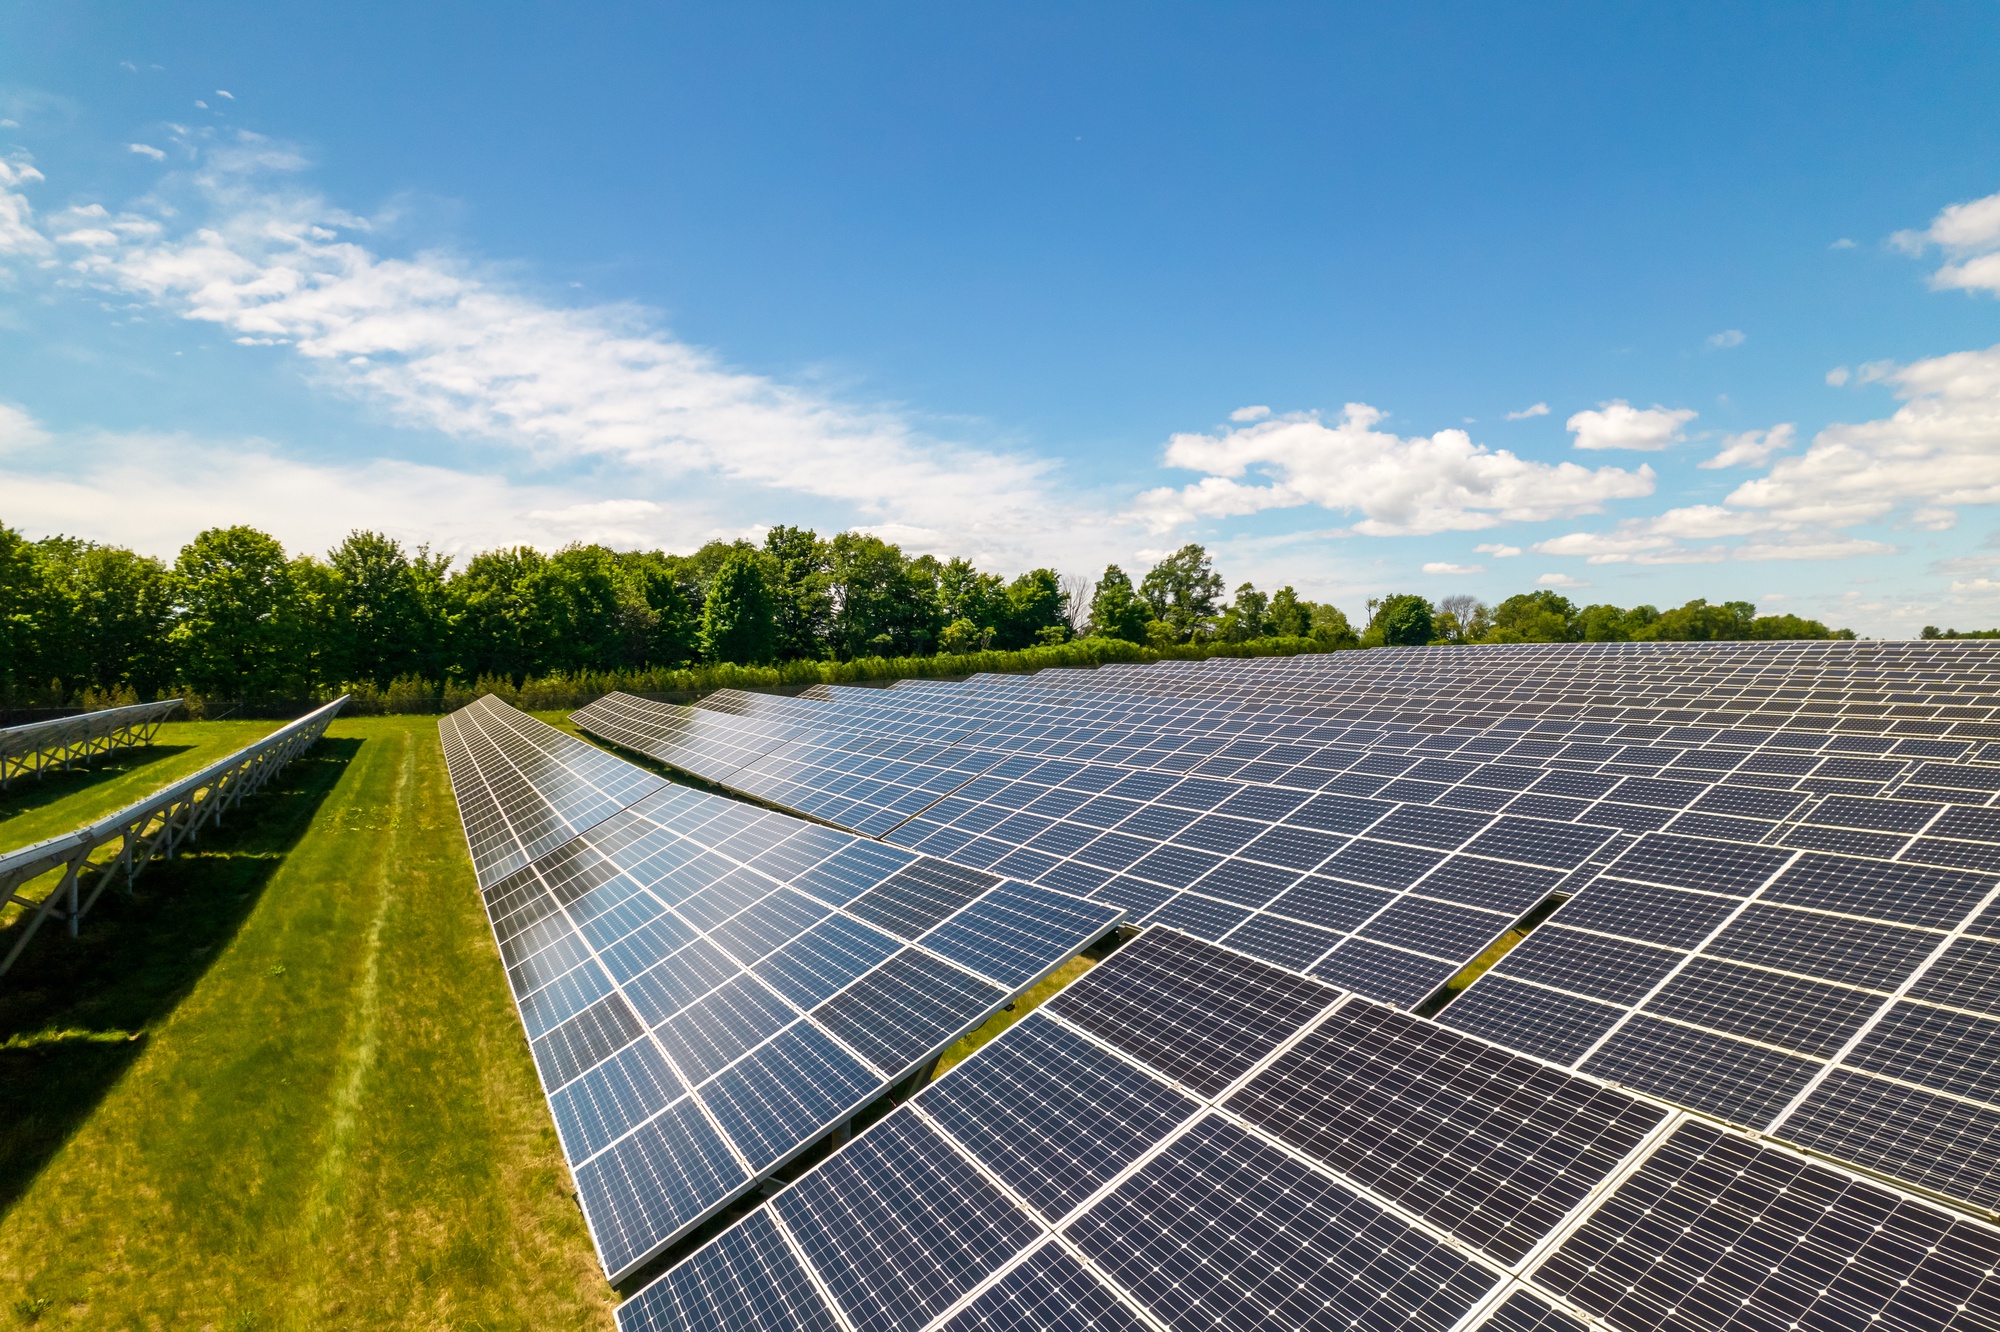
[234, 616]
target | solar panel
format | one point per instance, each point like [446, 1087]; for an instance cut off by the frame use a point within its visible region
[1777, 858]
[709, 988]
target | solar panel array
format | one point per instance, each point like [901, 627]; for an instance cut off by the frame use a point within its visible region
[1189, 1138]
[1776, 863]
[709, 988]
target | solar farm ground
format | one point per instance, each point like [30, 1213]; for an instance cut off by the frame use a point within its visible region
[285, 1086]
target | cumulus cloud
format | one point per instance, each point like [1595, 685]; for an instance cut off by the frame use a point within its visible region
[1559, 580]
[1837, 376]
[1969, 235]
[1399, 486]
[1250, 413]
[1498, 551]
[1752, 448]
[146, 150]
[1441, 567]
[1939, 451]
[1539, 409]
[1619, 425]
[1727, 338]
[436, 342]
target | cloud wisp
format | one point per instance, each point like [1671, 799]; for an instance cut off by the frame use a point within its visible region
[437, 343]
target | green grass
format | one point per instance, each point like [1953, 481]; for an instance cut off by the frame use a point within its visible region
[283, 1086]
[1037, 995]
[33, 808]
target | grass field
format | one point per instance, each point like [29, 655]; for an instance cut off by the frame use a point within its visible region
[284, 1086]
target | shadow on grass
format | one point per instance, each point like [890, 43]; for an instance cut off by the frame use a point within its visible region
[75, 1013]
[26, 794]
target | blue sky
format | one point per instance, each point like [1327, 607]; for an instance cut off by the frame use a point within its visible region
[1450, 299]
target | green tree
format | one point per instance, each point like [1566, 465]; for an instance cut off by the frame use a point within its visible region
[671, 628]
[1399, 621]
[490, 613]
[964, 593]
[1697, 621]
[1183, 591]
[235, 624]
[886, 605]
[1791, 626]
[1034, 608]
[26, 612]
[113, 607]
[1116, 610]
[378, 617]
[803, 586]
[1330, 627]
[1248, 616]
[1535, 617]
[1289, 617]
[739, 620]
[962, 636]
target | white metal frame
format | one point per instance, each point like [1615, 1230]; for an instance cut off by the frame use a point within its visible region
[155, 826]
[39, 746]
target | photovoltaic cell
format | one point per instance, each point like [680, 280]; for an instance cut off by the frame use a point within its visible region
[1717, 1232]
[1490, 1147]
[1200, 1014]
[746, 1281]
[1223, 1230]
[1053, 1114]
[904, 1010]
[899, 1225]
[1050, 1292]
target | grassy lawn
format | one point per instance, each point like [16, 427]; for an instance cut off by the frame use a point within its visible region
[284, 1087]
[34, 808]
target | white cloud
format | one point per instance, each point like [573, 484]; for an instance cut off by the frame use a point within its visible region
[1752, 448]
[146, 150]
[1842, 244]
[1619, 425]
[437, 343]
[1440, 567]
[18, 430]
[1498, 551]
[1539, 409]
[1727, 338]
[1968, 233]
[219, 92]
[1832, 549]
[1837, 376]
[1559, 580]
[1414, 486]
[1250, 413]
[1940, 450]
[18, 233]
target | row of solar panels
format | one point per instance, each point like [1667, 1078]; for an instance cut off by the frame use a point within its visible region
[1822, 990]
[1191, 1139]
[708, 988]
[1878, 680]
